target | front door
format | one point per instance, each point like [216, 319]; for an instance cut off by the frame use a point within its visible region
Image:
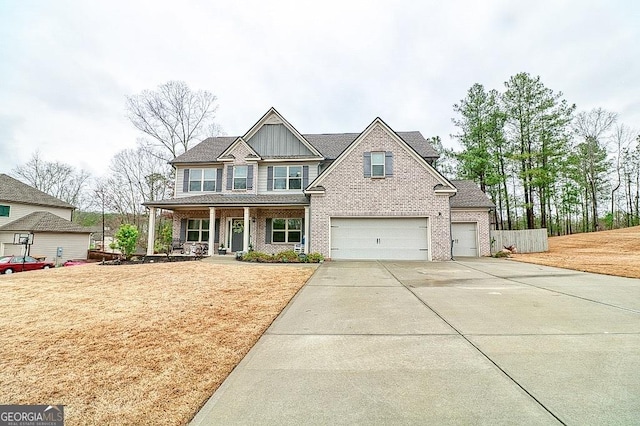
[237, 232]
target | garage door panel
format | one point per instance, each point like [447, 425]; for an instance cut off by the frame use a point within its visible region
[465, 239]
[379, 238]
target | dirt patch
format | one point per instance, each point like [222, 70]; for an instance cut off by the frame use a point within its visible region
[614, 252]
[140, 344]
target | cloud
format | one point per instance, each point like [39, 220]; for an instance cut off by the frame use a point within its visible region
[328, 67]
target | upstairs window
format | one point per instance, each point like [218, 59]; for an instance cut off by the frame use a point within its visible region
[377, 164]
[201, 180]
[240, 177]
[4, 211]
[287, 177]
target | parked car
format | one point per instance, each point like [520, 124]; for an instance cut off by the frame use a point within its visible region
[11, 264]
[75, 262]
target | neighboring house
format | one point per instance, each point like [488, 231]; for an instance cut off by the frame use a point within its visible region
[369, 195]
[26, 210]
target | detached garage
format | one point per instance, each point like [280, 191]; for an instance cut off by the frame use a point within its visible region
[380, 238]
[50, 233]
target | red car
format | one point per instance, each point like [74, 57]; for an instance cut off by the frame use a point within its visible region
[11, 264]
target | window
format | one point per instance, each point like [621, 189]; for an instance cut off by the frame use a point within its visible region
[240, 177]
[287, 177]
[202, 180]
[286, 230]
[377, 164]
[4, 211]
[198, 230]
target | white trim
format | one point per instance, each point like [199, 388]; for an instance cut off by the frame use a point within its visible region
[151, 239]
[475, 222]
[288, 160]
[212, 230]
[233, 178]
[379, 123]
[428, 218]
[231, 147]
[287, 179]
[229, 235]
[384, 165]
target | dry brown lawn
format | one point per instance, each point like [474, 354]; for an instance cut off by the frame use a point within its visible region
[138, 344]
[614, 252]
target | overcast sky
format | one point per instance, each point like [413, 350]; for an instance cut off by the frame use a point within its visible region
[326, 66]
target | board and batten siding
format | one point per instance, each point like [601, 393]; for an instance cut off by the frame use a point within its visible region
[274, 140]
[18, 210]
[526, 240]
[262, 176]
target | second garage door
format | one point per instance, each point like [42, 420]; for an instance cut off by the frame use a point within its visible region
[465, 239]
[379, 238]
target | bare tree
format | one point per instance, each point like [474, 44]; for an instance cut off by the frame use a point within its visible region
[623, 137]
[135, 176]
[55, 178]
[591, 128]
[173, 116]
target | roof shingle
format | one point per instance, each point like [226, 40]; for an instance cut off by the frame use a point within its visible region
[12, 190]
[44, 222]
[469, 195]
[330, 146]
[233, 200]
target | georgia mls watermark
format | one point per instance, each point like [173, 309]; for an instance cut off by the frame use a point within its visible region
[31, 415]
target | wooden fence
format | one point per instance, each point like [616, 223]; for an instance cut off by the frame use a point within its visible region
[526, 241]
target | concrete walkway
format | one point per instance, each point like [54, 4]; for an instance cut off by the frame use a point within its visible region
[480, 341]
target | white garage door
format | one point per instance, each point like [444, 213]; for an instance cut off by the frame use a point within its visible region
[379, 238]
[465, 239]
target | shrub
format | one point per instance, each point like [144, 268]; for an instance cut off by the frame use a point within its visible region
[256, 256]
[315, 258]
[127, 239]
[287, 256]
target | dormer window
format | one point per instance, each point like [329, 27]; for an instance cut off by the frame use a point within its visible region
[240, 177]
[287, 177]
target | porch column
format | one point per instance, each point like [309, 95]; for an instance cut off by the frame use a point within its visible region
[306, 229]
[151, 231]
[212, 230]
[245, 234]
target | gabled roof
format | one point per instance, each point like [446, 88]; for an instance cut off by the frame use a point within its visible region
[226, 154]
[206, 151]
[44, 222]
[273, 117]
[469, 195]
[330, 146]
[12, 190]
[444, 186]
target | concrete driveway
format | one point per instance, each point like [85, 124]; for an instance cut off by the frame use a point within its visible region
[478, 341]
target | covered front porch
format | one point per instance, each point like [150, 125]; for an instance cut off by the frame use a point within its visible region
[268, 227]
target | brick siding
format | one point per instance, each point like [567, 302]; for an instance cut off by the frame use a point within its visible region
[408, 193]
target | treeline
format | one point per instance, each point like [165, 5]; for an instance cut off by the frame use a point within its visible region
[171, 119]
[543, 163]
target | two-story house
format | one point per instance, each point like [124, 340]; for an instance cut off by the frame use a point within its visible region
[25, 211]
[368, 195]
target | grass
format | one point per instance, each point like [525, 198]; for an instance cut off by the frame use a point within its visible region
[139, 344]
[615, 252]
